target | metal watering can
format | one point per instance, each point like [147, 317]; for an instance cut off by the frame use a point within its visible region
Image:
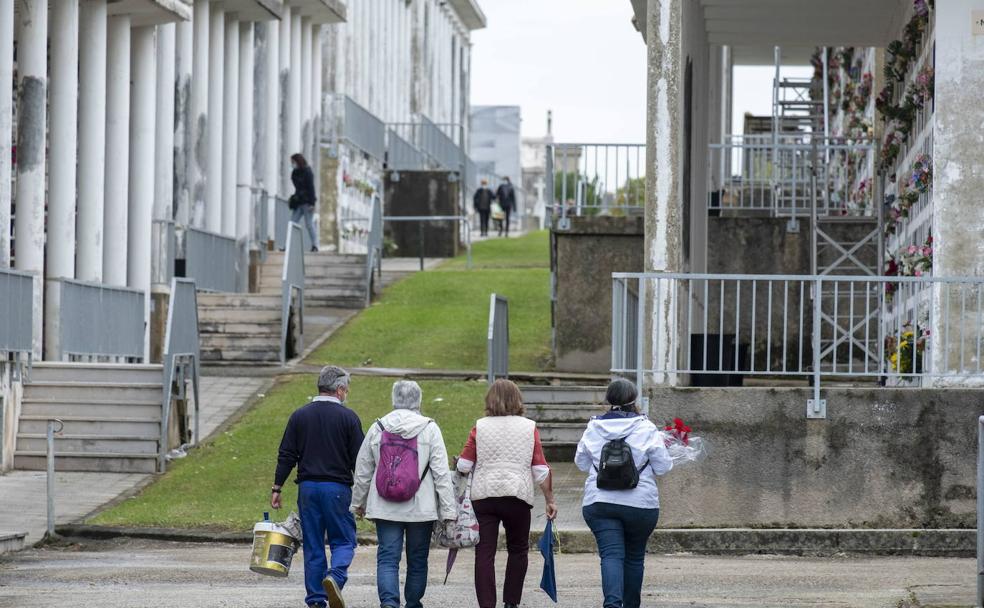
[274, 545]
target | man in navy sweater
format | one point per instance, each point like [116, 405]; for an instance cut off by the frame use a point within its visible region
[322, 440]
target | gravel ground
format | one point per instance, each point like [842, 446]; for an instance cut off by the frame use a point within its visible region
[125, 573]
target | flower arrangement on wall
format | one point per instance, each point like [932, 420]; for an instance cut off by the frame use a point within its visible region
[366, 188]
[905, 352]
[916, 184]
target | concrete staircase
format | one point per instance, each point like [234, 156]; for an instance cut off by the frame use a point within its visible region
[240, 328]
[561, 414]
[331, 280]
[112, 416]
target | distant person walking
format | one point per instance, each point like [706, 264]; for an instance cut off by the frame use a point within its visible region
[403, 484]
[483, 206]
[506, 195]
[322, 440]
[302, 202]
[622, 452]
[505, 457]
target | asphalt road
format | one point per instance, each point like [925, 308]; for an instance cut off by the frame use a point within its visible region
[117, 574]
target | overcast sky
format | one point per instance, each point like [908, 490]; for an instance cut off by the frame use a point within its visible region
[584, 60]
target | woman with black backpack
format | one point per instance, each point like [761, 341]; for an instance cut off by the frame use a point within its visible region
[622, 451]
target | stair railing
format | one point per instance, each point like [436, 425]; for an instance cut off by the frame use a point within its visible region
[182, 358]
[292, 278]
[16, 322]
[498, 340]
[374, 247]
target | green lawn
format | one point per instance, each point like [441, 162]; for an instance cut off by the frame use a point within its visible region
[439, 319]
[225, 483]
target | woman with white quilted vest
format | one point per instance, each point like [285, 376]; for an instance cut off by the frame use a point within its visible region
[622, 452]
[506, 458]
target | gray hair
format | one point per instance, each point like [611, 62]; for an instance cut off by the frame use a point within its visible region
[621, 394]
[332, 378]
[406, 395]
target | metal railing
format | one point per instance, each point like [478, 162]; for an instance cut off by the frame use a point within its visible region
[216, 262]
[282, 220]
[345, 120]
[164, 244]
[16, 320]
[97, 321]
[498, 340]
[374, 246]
[980, 512]
[441, 143]
[421, 220]
[401, 155]
[182, 358]
[292, 279]
[588, 179]
[900, 331]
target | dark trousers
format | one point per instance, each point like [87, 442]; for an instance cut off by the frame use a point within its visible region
[483, 221]
[324, 507]
[504, 223]
[621, 533]
[391, 535]
[515, 517]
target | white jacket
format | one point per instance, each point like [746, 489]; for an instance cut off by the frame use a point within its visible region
[646, 442]
[435, 498]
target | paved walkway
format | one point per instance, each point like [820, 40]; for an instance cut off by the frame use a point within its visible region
[120, 574]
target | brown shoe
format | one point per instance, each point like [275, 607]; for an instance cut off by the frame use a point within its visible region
[333, 592]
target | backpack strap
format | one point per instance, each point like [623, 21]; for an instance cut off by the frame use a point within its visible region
[427, 468]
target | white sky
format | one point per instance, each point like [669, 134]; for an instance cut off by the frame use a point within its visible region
[584, 60]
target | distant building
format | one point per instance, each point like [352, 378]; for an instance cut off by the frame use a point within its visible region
[495, 146]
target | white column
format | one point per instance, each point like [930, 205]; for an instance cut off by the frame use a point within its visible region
[143, 98]
[117, 150]
[283, 107]
[198, 149]
[317, 94]
[271, 130]
[230, 126]
[6, 125]
[244, 213]
[164, 127]
[216, 72]
[32, 93]
[92, 140]
[184, 53]
[294, 88]
[306, 82]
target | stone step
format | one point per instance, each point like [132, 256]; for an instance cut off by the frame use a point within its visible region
[241, 356]
[317, 291]
[561, 432]
[91, 462]
[82, 444]
[238, 314]
[94, 425]
[356, 301]
[316, 271]
[586, 395]
[318, 259]
[117, 392]
[11, 541]
[147, 408]
[562, 412]
[234, 328]
[241, 341]
[46, 371]
[249, 300]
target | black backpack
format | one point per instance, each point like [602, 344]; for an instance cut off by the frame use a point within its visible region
[618, 470]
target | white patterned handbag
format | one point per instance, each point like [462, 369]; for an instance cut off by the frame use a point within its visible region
[463, 532]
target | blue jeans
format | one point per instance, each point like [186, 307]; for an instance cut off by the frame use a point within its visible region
[390, 535]
[621, 533]
[307, 213]
[324, 507]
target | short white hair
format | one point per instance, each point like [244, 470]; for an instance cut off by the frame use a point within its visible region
[406, 395]
[332, 378]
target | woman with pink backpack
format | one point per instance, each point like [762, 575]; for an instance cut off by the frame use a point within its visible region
[404, 485]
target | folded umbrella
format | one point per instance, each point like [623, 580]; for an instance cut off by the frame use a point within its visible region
[548, 582]
[452, 555]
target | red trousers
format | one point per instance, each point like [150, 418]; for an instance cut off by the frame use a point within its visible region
[515, 517]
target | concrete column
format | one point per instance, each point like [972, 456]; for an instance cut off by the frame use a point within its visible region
[32, 93]
[164, 124]
[198, 149]
[216, 81]
[244, 213]
[283, 58]
[271, 119]
[117, 151]
[664, 239]
[306, 88]
[294, 106]
[317, 94]
[957, 183]
[230, 126]
[183, 150]
[6, 125]
[143, 125]
[92, 140]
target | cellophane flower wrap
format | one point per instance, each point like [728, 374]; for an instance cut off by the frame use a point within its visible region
[682, 446]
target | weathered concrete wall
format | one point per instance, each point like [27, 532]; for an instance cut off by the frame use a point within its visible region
[10, 399]
[328, 226]
[585, 258]
[883, 458]
[422, 193]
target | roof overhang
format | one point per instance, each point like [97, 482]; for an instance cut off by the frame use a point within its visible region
[254, 10]
[320, 11]
[151, 12]
[470, 13]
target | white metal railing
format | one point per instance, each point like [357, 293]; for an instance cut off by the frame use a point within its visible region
[216, 262]
[585, 179]
[164, 245]
[282, 220]
[97, 322]
[292, 280]
[182, 358]
[498, 338]
[786, 174]
[374, 246]
[440, 143]
[902, 331]
[401, 155]
[17, 304]
[344, 119]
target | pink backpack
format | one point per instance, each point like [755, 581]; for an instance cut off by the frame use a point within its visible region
[396, 473]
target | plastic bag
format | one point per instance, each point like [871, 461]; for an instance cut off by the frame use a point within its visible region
[681, 446]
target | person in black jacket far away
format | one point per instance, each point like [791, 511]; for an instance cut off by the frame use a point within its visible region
[506, 195]
[322, 440]
[302, 202]
[483, 205]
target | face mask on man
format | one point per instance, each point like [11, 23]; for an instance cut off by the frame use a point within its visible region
[293, 165]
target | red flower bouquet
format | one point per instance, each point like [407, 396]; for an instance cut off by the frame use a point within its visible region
[681, 446]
